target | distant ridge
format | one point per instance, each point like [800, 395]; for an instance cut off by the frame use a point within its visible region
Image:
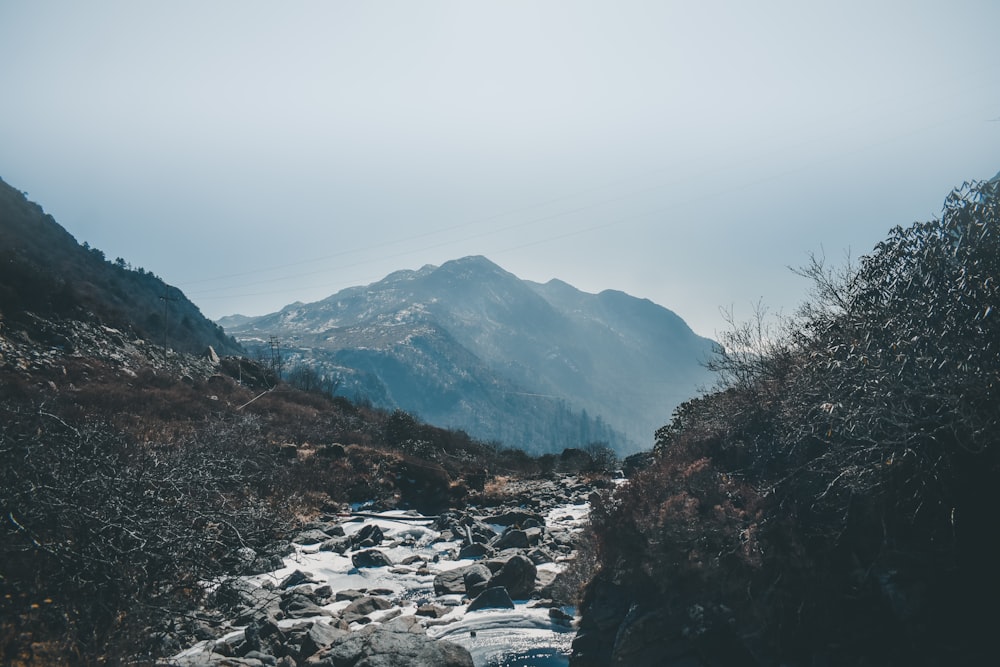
[469, 345]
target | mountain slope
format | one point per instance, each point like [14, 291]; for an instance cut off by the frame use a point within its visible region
[45, 272]
[469, 345]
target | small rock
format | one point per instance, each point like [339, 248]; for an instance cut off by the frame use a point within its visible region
[432, 611]
[348, 594]
[296, 578]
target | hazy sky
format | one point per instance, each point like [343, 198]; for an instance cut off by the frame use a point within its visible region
[259, 153]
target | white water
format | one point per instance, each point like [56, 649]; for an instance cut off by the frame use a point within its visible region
[516, 637]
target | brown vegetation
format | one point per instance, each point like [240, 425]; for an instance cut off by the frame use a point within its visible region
[835, 499]
[122, 490]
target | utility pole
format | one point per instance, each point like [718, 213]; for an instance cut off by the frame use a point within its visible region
[276, 356]
[165, 298]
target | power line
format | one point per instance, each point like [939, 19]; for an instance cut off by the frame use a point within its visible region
[214, 293]
[165, 298]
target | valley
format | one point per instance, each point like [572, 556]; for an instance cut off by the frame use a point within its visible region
[170, 496]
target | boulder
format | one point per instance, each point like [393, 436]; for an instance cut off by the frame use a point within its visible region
[212, 356]
[313, 536]
[386, 647]
[512, 538]
[540, 556]
[476, 550]
[338, 544]
[476, 578]
[348, 594]
[517, 576]
[296, 578]
[369, 536]
[515, 518]
[464, 526]
[359, 610]
[495, 597]
[300, 605]
[452, 582]
[432, 611]
[370, 558]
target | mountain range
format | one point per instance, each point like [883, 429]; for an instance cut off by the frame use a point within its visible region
[468, 345]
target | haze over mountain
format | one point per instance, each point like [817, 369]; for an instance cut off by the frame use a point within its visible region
[469, 345]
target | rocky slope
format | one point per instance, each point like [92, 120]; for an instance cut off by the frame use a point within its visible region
[45, 273]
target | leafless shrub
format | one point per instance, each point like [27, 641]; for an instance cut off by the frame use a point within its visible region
[109, 533]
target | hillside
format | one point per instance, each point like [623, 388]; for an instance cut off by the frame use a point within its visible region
[836, 503]
[469, 345]
[45, 273]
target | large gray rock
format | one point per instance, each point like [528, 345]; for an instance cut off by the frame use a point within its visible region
[476, 550]
[300, 605]
[370, 558]
[369, 536]
[476, 579]
[319, 637]
[363, 607]
[492, 598]
[512, 538]
[312, 536]
[452, 582]
[464, 526]
[297, 578]
[338, 544]
[516, 518]
[382, 647]
[517, 576]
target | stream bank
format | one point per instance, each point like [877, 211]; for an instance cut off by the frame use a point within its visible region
[478, 586]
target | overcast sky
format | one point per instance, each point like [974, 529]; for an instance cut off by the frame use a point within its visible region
[260, 153]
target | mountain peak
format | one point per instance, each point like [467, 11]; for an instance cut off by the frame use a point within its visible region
[469, 345]
[472, 265]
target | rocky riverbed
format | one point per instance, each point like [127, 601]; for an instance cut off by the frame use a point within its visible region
[478, 586]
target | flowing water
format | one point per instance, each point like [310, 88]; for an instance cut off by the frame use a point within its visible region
[520, 637]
